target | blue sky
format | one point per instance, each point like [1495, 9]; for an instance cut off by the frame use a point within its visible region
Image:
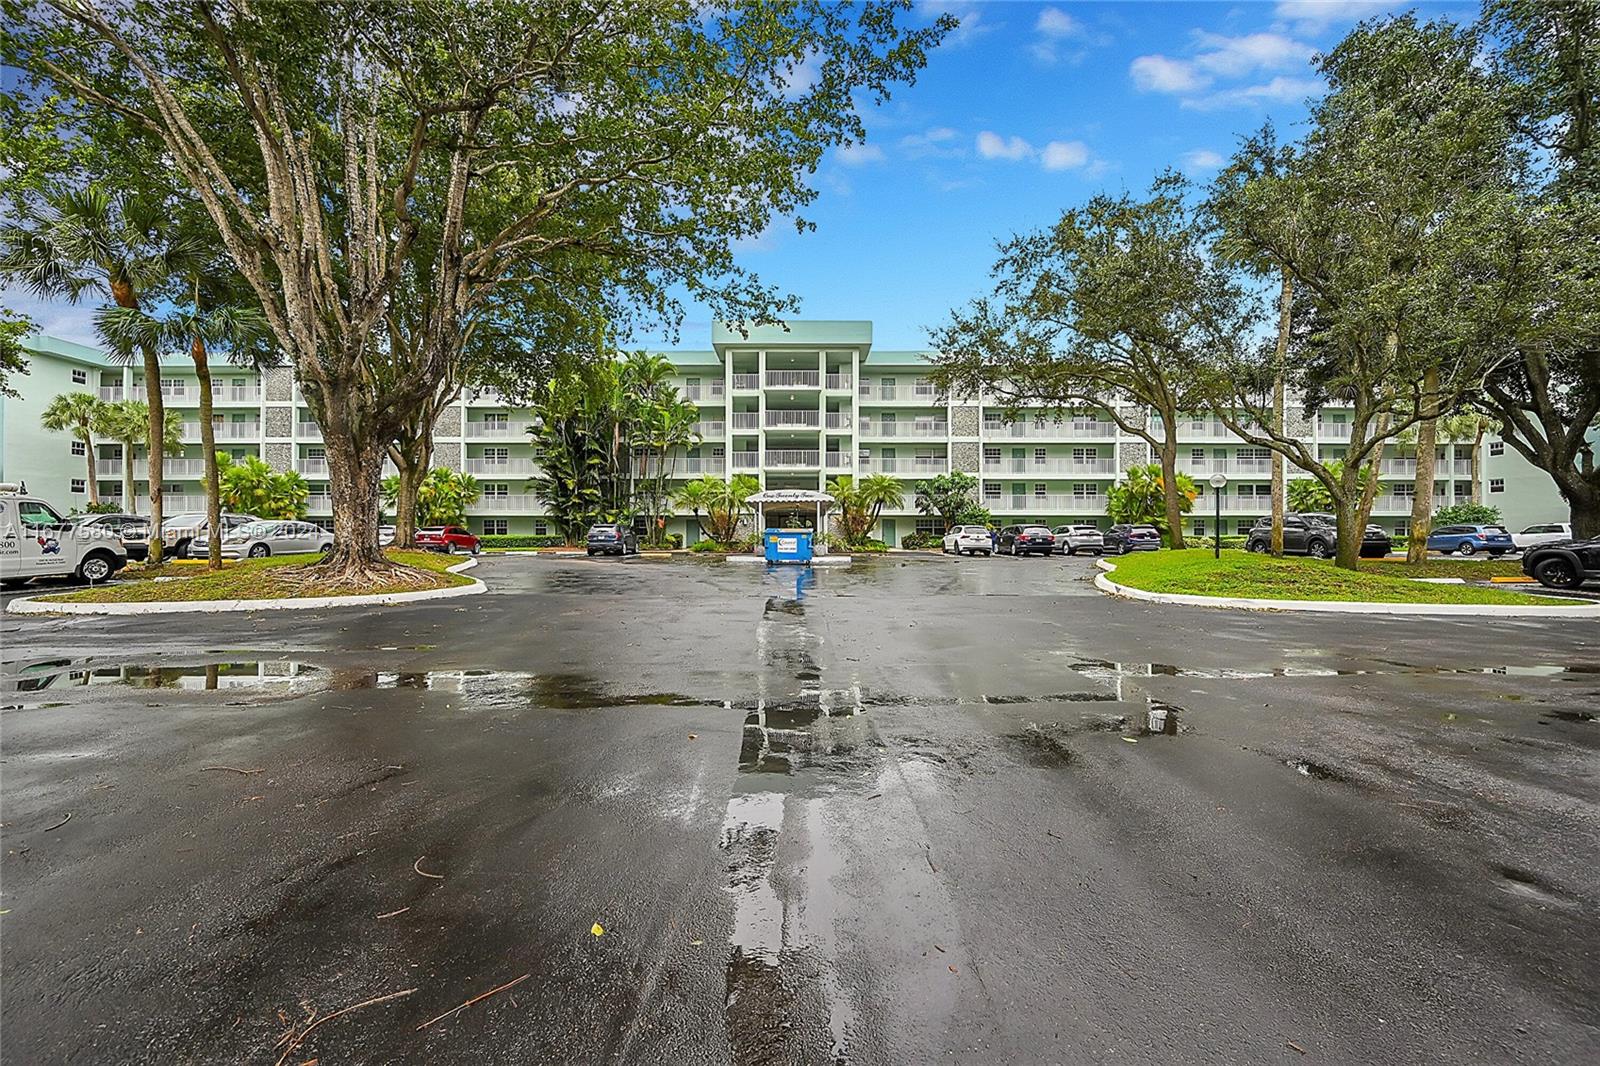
[1027, 109]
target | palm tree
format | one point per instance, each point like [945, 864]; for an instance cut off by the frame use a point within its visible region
[92, 239]
[878, 491]
[701, 494]
[128, 423]
[853, 516]
[78, 413]
[1473, 426]
[239, 330]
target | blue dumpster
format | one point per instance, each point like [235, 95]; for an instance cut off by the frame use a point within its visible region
[788, 545]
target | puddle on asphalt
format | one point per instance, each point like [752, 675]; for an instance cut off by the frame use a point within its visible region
[1317, 770]
[1527, 885]
[254, 675]
[1568, 716]
[1105, 670]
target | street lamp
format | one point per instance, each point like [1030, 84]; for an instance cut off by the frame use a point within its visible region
[1219, 481]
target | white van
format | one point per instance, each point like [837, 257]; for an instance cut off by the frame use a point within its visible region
[35, 541]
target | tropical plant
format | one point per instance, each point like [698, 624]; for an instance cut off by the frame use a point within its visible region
[252, 486]
[947, 496]
[699, 495]
[1141, 497]
[1474, 514]
[975, 514]
[80, 414]
[878, 491]
[1308, 494]
[442, 497]
[13, 327]
[665, 426]
[852, 513]
[727, 510]
[128, 423]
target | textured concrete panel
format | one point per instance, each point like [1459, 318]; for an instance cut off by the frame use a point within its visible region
[1132, 453]
[279, 455]
[1296, 424]
[964, 457]
[280, 383]
[447, 453]
[449, 423]
[964, 421]
[279, 422]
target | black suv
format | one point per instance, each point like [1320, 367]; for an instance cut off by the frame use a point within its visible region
[1026, 540]
[612, 539]
[1313, 535]
[1564, 564]
[1124, 537]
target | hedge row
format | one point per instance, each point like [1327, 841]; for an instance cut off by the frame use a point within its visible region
[522, 540]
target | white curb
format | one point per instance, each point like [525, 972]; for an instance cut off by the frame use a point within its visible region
[34, 605]
[1477, 610]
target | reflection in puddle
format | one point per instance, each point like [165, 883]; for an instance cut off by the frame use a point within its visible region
[259, 675]
[1105, 670]
[1307, 768]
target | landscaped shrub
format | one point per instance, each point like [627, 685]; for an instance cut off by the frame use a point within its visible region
[521, 540]
[705, 546]
[921, 540]
[867, 546]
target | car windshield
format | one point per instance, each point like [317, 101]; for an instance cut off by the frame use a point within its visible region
[1034, 529]
[1495, 529]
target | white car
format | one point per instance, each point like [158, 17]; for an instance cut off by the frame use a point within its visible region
[969, 539]
[1070, 540]
[1543, 533]
[35, 541]
[256, 540]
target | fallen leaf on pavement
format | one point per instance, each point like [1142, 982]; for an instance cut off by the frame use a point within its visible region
[597, 929]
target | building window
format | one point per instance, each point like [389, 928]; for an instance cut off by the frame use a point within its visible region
[930, 525]
[1497, 447]
[316, 453]
[991, 490]
[1041, 456]
[1243, 528]
[1197, 455]
[496, 418]
[498, 490]
[494, 526]
[78, 485]
[991, 454]
[78, 447]
[1497, 484]
[172, 386]
[1198, 530]
[540, 528]
[1041, 489]
[80, 377]
[497, 455]
[111, 488]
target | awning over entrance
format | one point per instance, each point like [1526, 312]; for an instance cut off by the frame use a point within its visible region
[792, 509]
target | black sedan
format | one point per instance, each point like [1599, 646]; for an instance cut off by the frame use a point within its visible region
[1124, 537]
[1564, 564]
[1026, 540]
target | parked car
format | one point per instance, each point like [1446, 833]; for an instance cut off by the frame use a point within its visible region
[1124, 537]
[1312, 534]
[448, 539]
[1070, 540]
[385, 536]
[271, 536]
[969, 539]
[612, 538]
[133, 530]
[1469, 540]
[1027, 540]
[178, 532]
[1543, 533]
[35, 541]
[1565, 564]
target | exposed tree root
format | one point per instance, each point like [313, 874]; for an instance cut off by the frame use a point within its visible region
[350, 577]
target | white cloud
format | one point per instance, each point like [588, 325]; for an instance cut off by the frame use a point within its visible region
[1314, 16]
[1058, 30]
[1279, 90]
[799, 78]
[969, 13]
[1160, 74]
[992, 145]
[1053, 22]
[1202, 159]
[1235, 57]
[857, 155]
[1064, 155]
[936, 141]
[58, 318]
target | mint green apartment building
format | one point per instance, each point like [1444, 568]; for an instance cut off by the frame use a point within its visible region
[793, 406]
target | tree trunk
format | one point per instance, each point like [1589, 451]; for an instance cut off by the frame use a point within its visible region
[93, 484]
[156, 451]
[354, 469]
[208, 446]
[1477, 465]
[1280, 357]
[411, 462]
[131, 501]
[1422, 486]
[1585, 511]
[1169, 484]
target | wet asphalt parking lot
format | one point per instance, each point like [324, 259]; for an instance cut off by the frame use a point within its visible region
[908, 811]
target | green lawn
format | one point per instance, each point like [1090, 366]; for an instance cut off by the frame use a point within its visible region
[278, 576]
[1262, 577]
[1475, 571]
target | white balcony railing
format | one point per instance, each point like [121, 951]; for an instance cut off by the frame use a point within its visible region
[174, 503]
[745, 460]
[793, 379]
[312, 467]
[1241, 468]
[308, 431]
[904, 465]
[111, 393]
[512, 501]
[1198, 429]
[793, 419]
[168, 392]
[1048, 429]
[1333, 430]
[837, 381]
[1257, 505]
[509, 429]
[235, 393]
[840, 420]
[704, 391]
[319, 503]
[1388, 503]
[500, 468]
[170, 468]
[836, 461]
[746, 382]
[249, 430]
[746, 420]
[710, 430]
[920, 427]
[1052, 467]
[683, 466]
[1048, 504]
[794, 458]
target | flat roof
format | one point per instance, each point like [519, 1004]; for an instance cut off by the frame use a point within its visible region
[798, 333]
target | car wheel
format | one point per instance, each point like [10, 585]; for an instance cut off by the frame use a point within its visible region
[13, 582]
[1466, 547]
[449, 548]
[1317, 550]
[95, 569]
[1126, 548]
[326, 549]
[476, 548]
[1495, 554]
[1255, 546]
[259, 551]
[1557, 572]
[1070, 550]
[591, 553]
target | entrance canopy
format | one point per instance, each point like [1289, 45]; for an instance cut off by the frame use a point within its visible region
[791, 508]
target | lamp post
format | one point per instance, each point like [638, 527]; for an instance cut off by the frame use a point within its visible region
[1219, 481]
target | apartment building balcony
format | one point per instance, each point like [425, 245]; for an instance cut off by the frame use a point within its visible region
[746, 382]
[711, 430]
[319, 503]
[839, 420]
[1441, 468]
[837, 381]
[1388, 503]
[1254, 505]
[519, 502]
[925, 397]
[500, 468]
[1036, 429]
[903, 465]
[1049, 503]
[712, 390]
[794, 458]
[509, 429]
[746, 421]
[924, 428]
[317, 468]
[1052, 467]
[1333, 430]
[794, 379]
[836, 462]
[683, 466]
[112, 393]
[777, 419]
[745, 460]
[1238, 468]
[308, 431]
[173, 503]
[176, 468]
[1200, 429]
[179, 392]
[250, 431]
[235, 393]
